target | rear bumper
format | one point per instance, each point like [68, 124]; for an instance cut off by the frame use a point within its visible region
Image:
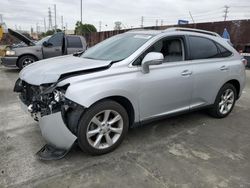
[9, 61]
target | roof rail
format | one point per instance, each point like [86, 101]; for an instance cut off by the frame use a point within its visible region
[139, 29]
[192, 30]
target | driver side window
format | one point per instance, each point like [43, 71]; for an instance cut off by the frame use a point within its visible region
[171, 48]
[56, 40]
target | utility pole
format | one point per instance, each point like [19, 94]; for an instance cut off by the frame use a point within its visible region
[37, 30]
[226, 12]
[50, 20]
[190, 14]
[81, 11]
[55, 17]
[156, 23]
[142, 20]
[44, 22]
[100, 26]
[161, 22]
[62, 22]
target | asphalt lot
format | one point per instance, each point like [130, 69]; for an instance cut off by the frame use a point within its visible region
[192, 150]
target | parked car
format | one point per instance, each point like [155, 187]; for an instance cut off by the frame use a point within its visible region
[246, 54]
[126, 80]
[27, 52]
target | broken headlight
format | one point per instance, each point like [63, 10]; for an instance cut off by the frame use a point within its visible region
[58, 95]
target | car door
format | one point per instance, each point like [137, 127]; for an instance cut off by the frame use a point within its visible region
[54, 46]
[210, 69]
[74, 44]
[167, 88]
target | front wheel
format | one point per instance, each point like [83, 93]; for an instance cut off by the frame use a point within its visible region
[25, 60]
[224, 102]
[102, 127]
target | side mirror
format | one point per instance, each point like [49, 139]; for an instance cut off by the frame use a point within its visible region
[47, 44]
[79, 53]
[152, 58]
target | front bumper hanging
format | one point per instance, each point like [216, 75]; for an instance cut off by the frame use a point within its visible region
[59, 138]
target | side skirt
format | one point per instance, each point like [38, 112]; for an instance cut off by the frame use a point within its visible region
[156, 119]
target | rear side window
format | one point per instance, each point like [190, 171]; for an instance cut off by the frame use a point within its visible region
[74, 42]
[223, 51]
[202, 48]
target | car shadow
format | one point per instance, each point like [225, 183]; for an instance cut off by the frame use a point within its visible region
[147, 134]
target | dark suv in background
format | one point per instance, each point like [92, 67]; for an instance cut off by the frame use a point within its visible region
[18, 56]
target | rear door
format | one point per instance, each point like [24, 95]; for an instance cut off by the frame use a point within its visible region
[74, 44]
[210, 69]
[55, 46]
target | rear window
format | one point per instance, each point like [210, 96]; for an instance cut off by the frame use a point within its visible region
[74, 42]
[223, 51]
[203, 48]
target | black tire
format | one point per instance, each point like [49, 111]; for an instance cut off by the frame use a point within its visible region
[25, 60]
[85, 122]
[215, 110]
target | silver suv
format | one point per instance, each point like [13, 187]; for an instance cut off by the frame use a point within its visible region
[126, 80]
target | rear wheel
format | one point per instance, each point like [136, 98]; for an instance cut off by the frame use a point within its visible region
[102, 127]
[25, 60]
[224, 102]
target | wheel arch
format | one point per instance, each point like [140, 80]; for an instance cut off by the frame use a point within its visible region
[236, 84]
[26, 54]
[125, 103]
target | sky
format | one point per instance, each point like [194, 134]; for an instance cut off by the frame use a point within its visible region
[24, 14]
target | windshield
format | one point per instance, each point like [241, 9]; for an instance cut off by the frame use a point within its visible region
[117, 48]
[40, 42]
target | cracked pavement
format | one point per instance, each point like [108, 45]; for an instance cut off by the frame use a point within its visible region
[188, 151]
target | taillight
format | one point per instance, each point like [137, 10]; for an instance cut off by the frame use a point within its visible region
[244, 61]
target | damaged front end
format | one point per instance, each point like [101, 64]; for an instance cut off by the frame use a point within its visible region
[46, 103]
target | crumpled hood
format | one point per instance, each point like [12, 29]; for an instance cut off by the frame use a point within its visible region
[49, 70]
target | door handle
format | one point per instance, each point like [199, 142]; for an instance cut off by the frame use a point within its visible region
[224, 67]
[186, 73]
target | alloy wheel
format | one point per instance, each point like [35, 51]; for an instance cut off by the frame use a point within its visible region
[226, 102]
[104, 129]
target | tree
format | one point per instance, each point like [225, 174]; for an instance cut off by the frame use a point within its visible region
[82, 29]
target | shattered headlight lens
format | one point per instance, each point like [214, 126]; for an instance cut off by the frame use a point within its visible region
[10, 52]
[58, 96]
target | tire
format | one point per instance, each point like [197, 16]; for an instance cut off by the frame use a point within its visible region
[93, 119]
[25, 60]
[218, 111]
